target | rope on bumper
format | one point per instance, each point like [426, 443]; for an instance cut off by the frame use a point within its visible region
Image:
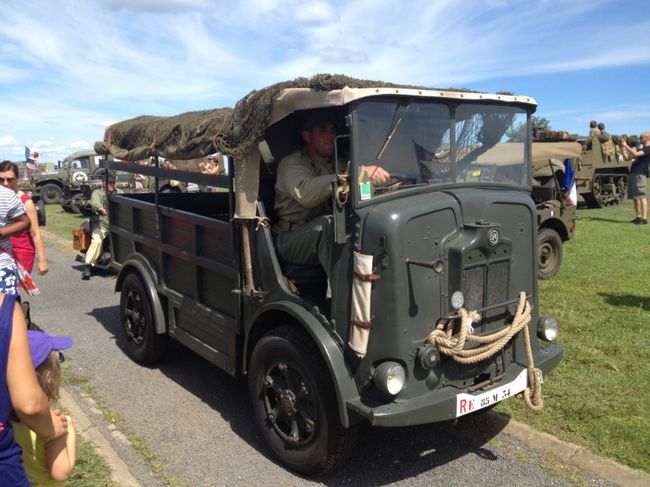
[453, 345]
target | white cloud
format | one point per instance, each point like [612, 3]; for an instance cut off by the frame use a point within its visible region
[157, 6]
[98, 60]
[6, 140]
[315, 12]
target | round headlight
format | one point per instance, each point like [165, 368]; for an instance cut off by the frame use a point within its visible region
[457, 300]
[390, 377]
[548, 328]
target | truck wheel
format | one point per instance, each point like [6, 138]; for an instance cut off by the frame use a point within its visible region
[75, 203]
[143, 344]
[294, 403]
[50, 193]
[549, 253]
[40, 213]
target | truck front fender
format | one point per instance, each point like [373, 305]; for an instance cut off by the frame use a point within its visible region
[271, 315]
[139, 264]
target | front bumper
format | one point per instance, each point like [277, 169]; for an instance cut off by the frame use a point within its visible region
[440, 404]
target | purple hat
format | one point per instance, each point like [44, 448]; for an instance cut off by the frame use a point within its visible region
[41, 344]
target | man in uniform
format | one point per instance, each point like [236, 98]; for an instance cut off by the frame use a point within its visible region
[99, 204]
[303, 194]
[638, 176]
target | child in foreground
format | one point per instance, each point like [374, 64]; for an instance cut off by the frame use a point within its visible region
[47, 463]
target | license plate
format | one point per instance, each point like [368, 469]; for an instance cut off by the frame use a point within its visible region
[468, 403]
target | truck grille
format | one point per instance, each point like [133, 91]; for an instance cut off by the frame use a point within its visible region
[485, 285]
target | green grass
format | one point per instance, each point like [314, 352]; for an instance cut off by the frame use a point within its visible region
[599, 395]
[91, 470]
[61, 223]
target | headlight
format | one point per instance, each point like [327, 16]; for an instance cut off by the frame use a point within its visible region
[390, 377]
[457, 300]
[548, 328]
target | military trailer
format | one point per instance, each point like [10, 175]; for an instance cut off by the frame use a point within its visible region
[433, 311]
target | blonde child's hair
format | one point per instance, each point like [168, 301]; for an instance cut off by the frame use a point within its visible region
[49, 375]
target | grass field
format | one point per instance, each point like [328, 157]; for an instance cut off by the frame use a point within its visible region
[598, 397]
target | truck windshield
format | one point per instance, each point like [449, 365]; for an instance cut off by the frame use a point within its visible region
[417, 143]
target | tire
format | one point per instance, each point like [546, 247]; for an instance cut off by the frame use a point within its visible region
[549, 253]
[75, 203]
[40, 213]
[143, 344]
[50, 193]
[294, 403]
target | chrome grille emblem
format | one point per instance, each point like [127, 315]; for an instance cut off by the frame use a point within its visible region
[493, 237]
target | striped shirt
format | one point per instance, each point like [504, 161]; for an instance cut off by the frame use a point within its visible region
[10, 209]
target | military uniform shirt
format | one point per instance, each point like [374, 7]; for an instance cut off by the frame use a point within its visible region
[303, 188]
[98, 200]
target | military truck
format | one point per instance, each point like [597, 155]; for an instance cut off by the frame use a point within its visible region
[433, 305]
[64, 185]
[76, 168]
[601, 172]
[556, 216]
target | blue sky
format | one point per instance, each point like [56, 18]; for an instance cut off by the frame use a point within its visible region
[68, 68]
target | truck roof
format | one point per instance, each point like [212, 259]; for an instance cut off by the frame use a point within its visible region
[238, 131]
[79, 155]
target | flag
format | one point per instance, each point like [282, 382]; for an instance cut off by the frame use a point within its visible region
[31, 159]
[569, 184]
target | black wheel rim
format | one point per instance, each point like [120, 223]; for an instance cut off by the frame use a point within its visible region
[135, 321]
[290, 405]
[547, 256]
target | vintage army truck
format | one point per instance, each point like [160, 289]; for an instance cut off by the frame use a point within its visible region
[556, 215]
[433, 312]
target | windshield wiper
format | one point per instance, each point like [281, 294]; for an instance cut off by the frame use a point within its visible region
[394, 126]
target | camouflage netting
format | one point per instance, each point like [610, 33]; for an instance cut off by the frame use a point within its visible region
[232, 131]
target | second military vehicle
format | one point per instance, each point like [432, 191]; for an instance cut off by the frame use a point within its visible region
[601, 173]
[433, 307]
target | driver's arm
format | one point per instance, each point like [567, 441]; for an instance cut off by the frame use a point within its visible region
[377, 174]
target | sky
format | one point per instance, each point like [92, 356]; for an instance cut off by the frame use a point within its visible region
[69, 68]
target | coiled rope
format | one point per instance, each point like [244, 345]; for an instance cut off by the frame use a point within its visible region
[447, 343]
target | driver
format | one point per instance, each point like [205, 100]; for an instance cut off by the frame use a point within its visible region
[99, 204]
[303, 192]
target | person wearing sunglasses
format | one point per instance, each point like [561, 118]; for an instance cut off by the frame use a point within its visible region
[26, 245]
[13, 221]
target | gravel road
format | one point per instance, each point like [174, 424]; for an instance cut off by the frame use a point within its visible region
[198, 420]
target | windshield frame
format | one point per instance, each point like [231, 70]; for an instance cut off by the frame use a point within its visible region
[452, 105]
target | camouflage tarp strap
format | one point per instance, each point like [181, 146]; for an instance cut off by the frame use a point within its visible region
[447, 343]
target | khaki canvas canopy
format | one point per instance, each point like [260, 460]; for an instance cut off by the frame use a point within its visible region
[543, 152]
[238, 131]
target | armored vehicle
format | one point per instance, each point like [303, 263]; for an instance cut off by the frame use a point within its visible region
[601, 172]
[432, 312]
